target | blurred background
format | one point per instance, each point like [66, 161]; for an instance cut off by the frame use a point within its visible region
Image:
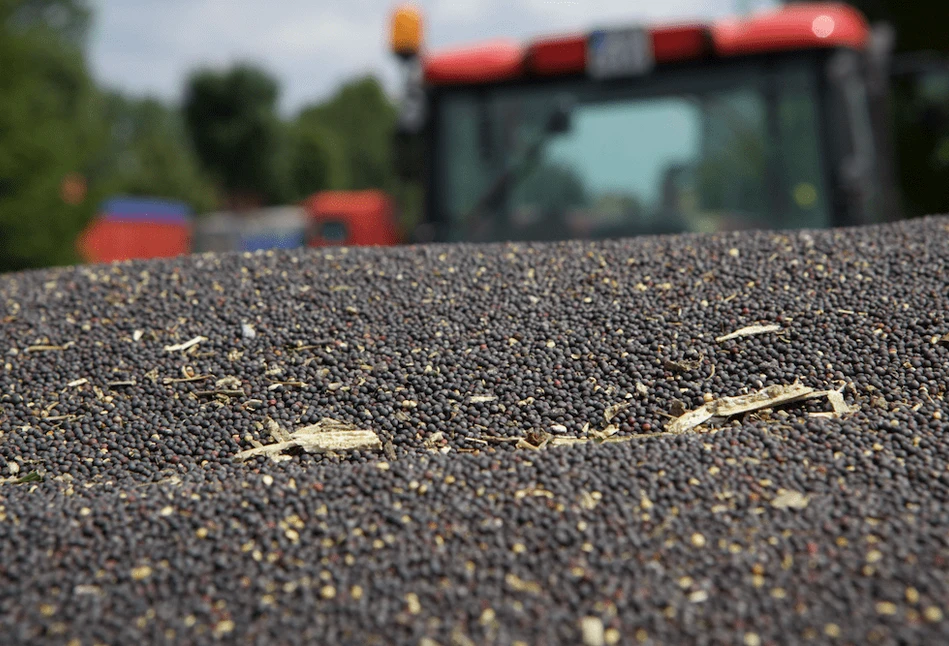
[205, 108]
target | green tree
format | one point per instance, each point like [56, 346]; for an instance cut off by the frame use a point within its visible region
[232, 121]
[356, 127]
[362, 120]
[50, 126]
[149, 154]
[69, 20]
[313, 160]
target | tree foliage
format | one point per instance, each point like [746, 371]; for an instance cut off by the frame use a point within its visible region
[314, 163]
[356, 125]
[68, 20]
[50, 126]
[361, 115]
[233, 123]
[149, 154]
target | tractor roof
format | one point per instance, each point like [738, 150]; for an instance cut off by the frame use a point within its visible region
[792, 27]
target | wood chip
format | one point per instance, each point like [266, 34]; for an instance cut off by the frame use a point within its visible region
[186, 345]
[77, 382]
[750, 330]
[479, 399]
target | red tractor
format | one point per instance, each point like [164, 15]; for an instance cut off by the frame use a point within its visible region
[777, 120]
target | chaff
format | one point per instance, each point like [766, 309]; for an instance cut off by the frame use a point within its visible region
[277, 433]
[228, 382]
[836, 399]
[50, 348]
[541, 440]
[730, 406]
[790, 500]
[215, 393]
[186, 345]
[173, 380]
[750, 330]
[32, 476]
[322, 343]
[520, 585]
[326, 435]
[614, 410]
[279, 384]
[685, 365]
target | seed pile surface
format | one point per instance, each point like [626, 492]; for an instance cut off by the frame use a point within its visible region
[501, 467]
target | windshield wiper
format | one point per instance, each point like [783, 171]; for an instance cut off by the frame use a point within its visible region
[557, 123]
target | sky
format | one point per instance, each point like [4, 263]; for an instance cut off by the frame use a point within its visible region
[148, 47]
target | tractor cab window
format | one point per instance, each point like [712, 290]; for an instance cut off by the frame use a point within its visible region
[682, 151]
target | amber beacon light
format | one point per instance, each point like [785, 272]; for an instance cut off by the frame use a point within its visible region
[406, 34]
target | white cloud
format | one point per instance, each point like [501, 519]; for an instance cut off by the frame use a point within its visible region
[460, 11]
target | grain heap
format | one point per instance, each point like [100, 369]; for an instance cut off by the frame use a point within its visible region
[506, 444]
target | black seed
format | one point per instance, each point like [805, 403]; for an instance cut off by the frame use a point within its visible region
[125, 517]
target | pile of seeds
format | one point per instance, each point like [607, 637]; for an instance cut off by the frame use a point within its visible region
[732, 439]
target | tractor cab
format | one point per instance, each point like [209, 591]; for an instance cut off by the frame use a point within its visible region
[778, 120]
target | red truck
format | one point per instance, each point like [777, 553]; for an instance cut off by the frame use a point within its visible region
[129, 227]
[358, 218]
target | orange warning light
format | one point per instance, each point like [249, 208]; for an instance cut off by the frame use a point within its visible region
[406, 32]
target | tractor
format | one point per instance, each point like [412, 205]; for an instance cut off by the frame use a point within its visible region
[781, 119]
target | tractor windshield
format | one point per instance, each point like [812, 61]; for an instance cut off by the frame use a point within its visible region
[734, 146]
